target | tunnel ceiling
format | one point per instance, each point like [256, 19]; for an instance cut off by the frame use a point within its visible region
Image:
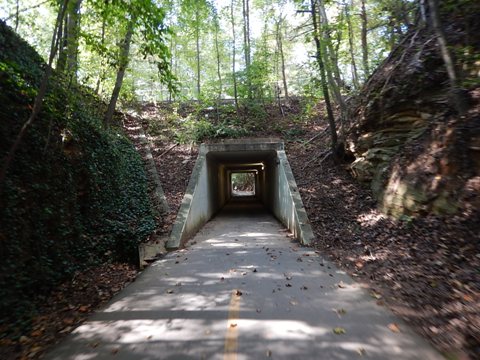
[241, 158]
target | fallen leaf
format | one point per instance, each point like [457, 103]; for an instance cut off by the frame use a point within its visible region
[341, 285]
[37, 333]
[68, 321]
[35, 350]
[83, 309]
[394, 327]
[170, 291]
[66, 330]
[361, 351]
[233, 325]
[339, 331]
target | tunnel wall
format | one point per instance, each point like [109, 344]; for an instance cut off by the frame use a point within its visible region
[287, 203]
[208, 190]
[196, 208]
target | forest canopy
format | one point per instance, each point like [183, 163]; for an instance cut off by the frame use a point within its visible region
[238, 49]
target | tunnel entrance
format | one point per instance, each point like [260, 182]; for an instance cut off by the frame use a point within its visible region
[233, 171]
[243, 183]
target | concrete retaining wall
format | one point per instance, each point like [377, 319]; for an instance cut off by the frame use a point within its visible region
[287, 203]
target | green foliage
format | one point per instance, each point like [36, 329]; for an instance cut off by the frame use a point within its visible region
[198, 130]
[243, 181]
[75, 194]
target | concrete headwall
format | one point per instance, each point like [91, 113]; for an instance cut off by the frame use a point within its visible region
[209, 187]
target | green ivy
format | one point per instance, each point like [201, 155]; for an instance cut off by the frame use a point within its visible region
[75, 195]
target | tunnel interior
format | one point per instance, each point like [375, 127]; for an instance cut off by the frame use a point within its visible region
[213, 185]
[222, 166]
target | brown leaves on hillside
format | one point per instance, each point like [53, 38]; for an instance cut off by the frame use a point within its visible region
[425, 270]
[66, 308]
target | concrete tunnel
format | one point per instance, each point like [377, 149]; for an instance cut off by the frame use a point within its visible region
[210, 189]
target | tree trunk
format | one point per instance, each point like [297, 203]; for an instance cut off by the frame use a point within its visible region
[246, 41]
[458, 96]
[73, 38]
[282, 58]
[37, 105]
[17, 15]
[172, 46]
[124, 58]
[351, 49]
[197, 43]
[101, 76]
[219, 74]
[330, 55]
[363, 16]
[331, 65]
[235, 91]
[62, 41]
[323, 78]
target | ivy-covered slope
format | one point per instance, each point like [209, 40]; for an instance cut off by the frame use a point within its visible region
[75, 194]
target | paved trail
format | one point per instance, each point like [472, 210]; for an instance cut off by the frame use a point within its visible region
[243, 290]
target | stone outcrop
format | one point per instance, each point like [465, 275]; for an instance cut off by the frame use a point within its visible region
[409, 144]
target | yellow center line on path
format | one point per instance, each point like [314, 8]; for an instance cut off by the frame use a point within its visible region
[231, 337]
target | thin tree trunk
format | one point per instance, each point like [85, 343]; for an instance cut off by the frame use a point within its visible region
[363, 16]
[124, 58]
[458, 96]
[351, 49]
[172, 41]
[219, 74]
[101, 76]
[37, 105]
[235, 91]
[282, 58]
[73, 38]
[62, 40]
[17, 15]
[197, 43]
[330, 55]
[323, 78]
[331, 65]
[246, 41]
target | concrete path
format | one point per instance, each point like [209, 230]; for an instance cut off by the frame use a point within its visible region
[243, 290]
